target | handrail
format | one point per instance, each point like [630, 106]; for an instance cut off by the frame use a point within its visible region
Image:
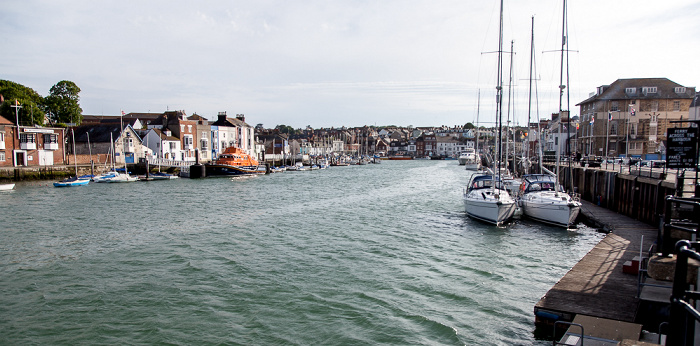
[683, 315]
[555, 342]
[666, 244]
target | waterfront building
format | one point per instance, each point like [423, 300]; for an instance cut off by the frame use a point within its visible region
[102, 143]
[204, 133]
[233, 132]
[163, 144]
[30, 145]
[631, 116]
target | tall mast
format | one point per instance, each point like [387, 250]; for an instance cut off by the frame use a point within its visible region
[499, 94]
[529, 97]
[510, 94]
[562, 86]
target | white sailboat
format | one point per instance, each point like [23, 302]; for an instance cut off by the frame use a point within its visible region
[543, 198]
[485, 198]
[114, 176]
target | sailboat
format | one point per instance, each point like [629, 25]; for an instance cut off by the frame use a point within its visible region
[73, 181]
[114, 176]
[485, 198]
[543, 198]
[473, 162]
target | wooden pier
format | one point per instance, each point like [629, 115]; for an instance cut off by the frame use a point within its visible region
[597, 286]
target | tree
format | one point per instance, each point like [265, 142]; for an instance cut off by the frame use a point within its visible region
[285, 129]
[469, 126]
[62, 104]
[32, 104]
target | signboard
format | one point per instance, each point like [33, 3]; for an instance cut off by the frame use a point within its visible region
[681, 150]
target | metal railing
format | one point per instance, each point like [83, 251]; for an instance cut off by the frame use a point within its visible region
[578, 337]
[683, 314]
[690, 225]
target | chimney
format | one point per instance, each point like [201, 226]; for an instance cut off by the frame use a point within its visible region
[222, 116]
[168, 133]
[240, 117]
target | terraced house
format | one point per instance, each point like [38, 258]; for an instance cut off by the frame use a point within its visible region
[630, 116]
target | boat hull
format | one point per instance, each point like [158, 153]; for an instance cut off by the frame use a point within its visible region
[488, 209]
[6, 187]
[213, 170]
[561, 213]
[71, 183]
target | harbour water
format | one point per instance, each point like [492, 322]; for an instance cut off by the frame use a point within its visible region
[373, 254]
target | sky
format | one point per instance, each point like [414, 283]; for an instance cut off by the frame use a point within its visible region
[341, 63]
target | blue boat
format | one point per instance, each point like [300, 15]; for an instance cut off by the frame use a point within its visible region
[71, 182]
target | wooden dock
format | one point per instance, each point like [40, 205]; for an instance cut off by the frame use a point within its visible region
[596, 286]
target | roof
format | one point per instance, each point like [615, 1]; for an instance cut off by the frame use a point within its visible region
[229, 122]
[165, 137]
[666, 89]
[97, 133]
[4, 121]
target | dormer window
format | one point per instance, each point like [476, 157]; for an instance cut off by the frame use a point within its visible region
[680, 90]
[649, 90]
[630, 91]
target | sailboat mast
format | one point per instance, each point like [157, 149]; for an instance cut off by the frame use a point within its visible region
[510, 96]
[529, 97]
[478, 105]
[499, 95]
[562, 86]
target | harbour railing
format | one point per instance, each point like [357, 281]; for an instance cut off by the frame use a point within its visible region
[681, 214]
[683, 314]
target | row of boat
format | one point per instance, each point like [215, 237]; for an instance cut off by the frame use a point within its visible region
[538, 196]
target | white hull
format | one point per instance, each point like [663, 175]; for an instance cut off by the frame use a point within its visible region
[483, 205]
[545, 206]
[7, 186]
[472, 166]
[116, 178]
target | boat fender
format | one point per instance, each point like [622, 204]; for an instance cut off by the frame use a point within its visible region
[482, 195]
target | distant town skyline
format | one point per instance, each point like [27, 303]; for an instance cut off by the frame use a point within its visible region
[348, 63]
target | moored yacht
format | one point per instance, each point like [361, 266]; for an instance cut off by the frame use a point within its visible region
[544, 200]
[486, 201]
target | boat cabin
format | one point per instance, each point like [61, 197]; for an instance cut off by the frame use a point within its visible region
[539, 182]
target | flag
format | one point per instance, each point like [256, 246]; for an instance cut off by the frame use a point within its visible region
[123, 113]
[609, 116]
[16, 103]
[577, 126]
[592, 120]
[632, 111]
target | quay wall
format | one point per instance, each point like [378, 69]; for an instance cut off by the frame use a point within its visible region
[629, 194]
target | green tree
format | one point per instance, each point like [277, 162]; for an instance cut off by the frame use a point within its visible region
[469, 126]
[285, 129]
[62, 104]
[32, 104]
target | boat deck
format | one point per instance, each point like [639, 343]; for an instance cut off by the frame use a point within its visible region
[596, 286]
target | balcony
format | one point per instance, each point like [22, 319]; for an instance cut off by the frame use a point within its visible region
[50, 146]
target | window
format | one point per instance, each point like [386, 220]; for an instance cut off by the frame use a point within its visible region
[2, 156]
[649, 90]
[204, 144]
[677, 105]
[652, 130]
[654, 106]
[654, 118]
[27, 138]
[50, 138]
[2, 136]
[613, 128]
[615, 106]
[172, 146]
[633, 130]
[631, 91]
[680, 90]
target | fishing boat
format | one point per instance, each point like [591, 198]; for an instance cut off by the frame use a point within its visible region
[544, 200]
[7, 187]
[233, 161]
[486, 198]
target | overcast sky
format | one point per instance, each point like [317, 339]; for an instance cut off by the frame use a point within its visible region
[338, 63]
